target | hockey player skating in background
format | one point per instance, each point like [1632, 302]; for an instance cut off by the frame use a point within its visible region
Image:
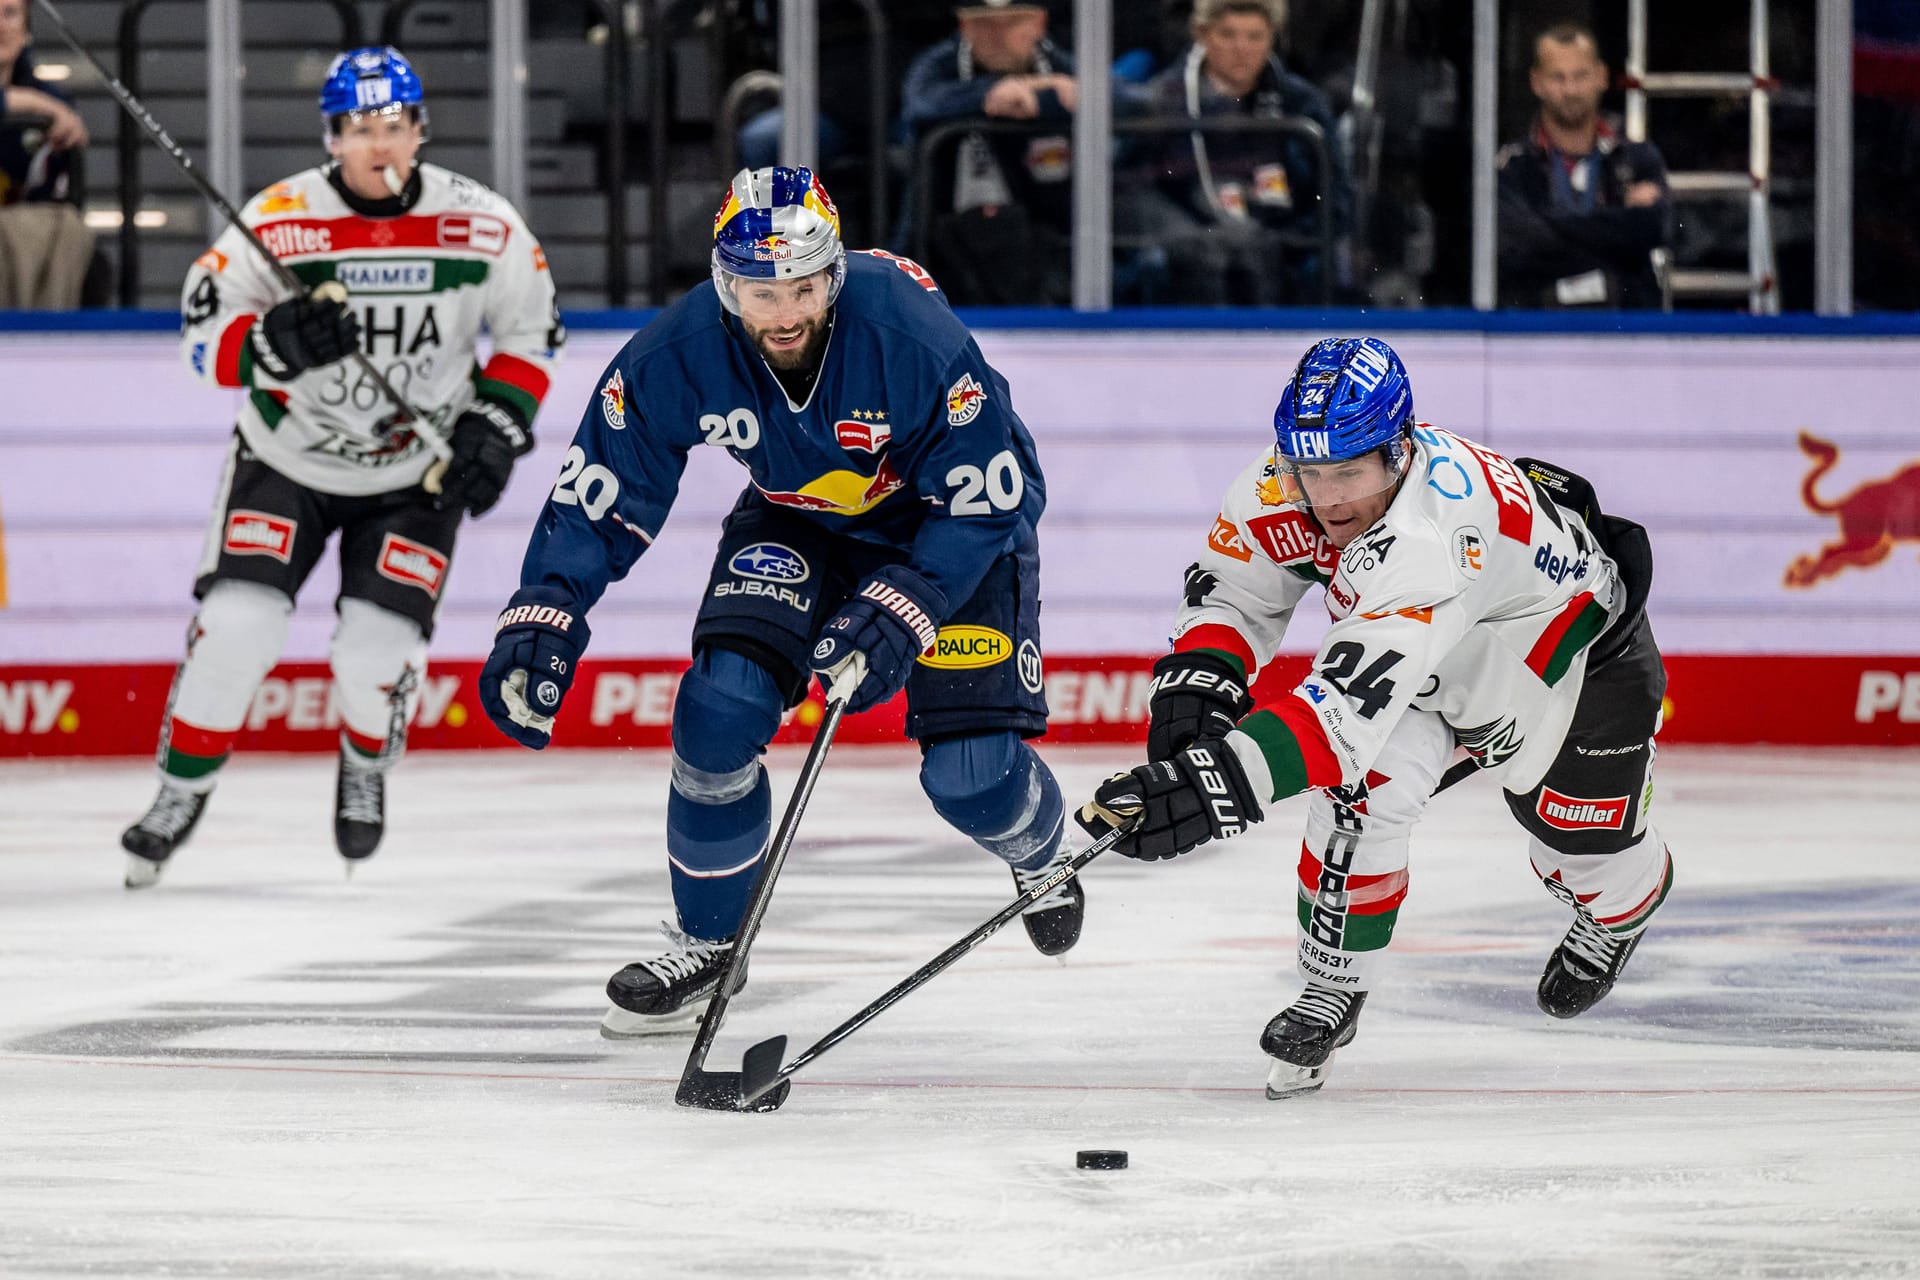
[405, 262]
[887, 533]
[1475, 601]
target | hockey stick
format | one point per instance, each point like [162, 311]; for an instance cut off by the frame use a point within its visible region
[761, 1073]
[721, 1090]
[155, 130]
[761, 1070]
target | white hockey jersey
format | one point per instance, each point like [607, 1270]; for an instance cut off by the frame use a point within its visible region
[423, 283]
[1475, 596]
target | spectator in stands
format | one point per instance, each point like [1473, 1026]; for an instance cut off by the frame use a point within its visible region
[1000, 204]
[44, 243]
[1581, 208]
[1238, 215]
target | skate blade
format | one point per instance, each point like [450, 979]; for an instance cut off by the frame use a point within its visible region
[142, 874]
[1289, 1081]
[623, 1024]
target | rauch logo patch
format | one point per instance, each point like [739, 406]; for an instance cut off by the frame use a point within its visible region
[967, 647]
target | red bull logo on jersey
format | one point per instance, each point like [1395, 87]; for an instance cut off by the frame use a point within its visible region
[843, 493]
[613, 401]
[1872, 518]
[965, 399]
[255, 533]
[411, 564]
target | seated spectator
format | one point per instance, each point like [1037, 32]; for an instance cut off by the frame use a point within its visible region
[1581, 208]
[1000, 208]
[44, 243]
[1237, 215]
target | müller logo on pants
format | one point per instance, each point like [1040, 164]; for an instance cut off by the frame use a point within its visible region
[255, 533]
[409, 562]
[1571, 813]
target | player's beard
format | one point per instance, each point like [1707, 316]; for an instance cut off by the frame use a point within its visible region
[791, 359]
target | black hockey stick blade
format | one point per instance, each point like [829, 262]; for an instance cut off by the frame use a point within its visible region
[725, 1091]
[760, 1070]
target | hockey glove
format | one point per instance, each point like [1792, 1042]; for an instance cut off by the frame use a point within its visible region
[306, 332]
[866, 650]
[1195, 695]
[1201, 794]
[487, 439]
[536, 652]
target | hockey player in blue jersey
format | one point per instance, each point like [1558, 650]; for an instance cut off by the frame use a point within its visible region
[889, 519]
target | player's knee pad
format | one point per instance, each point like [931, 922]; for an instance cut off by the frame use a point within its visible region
[379, 659]
[726, 712]
[236, 637]
[994, 788]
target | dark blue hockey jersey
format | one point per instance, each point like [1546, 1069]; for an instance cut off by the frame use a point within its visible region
[909, 438]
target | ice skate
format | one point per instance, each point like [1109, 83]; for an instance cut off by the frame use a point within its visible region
[1304, 1035]
[1583, 968]
[359, 811]
[1053, 920]
[162, 829]
[668, 993]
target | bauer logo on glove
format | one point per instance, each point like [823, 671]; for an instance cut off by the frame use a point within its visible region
[1177, 805]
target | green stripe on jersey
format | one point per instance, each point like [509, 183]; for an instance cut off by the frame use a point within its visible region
[1591, 622]
[271, 411]
[1282, 751]
[506, 393]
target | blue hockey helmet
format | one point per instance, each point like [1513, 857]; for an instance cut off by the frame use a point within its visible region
[374, 79]
[776, 224]
[1348, 397]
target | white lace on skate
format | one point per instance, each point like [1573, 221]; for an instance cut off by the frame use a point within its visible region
[686, 956]
[1058, 896]
[1323, 1005]
[1592, 946]
[360, 795]
[172, 812]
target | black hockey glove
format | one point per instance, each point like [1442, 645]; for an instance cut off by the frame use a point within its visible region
[306, 332]
[487, 439]
[1195, 695]
[536, 653]
[1201, 794]
[873, 640]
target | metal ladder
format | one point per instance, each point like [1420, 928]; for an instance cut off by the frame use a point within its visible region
[1759, 281]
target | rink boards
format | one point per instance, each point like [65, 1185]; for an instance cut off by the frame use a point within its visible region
[109, 452]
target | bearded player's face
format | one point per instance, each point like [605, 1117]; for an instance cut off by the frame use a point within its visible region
[785, 319]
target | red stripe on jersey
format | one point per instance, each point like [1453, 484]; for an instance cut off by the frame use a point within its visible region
[1543, 649]
[515, 372]
[192, 740]
[1323, 769]
[292, 238]
[226, 357]
[1217, 635]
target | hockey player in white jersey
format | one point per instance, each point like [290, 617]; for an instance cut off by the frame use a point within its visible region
[403, 262]
[1476, 601]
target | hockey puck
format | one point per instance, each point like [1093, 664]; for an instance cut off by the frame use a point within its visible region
[1100, 1159]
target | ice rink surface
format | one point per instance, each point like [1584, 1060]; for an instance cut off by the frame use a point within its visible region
[259, 1069]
